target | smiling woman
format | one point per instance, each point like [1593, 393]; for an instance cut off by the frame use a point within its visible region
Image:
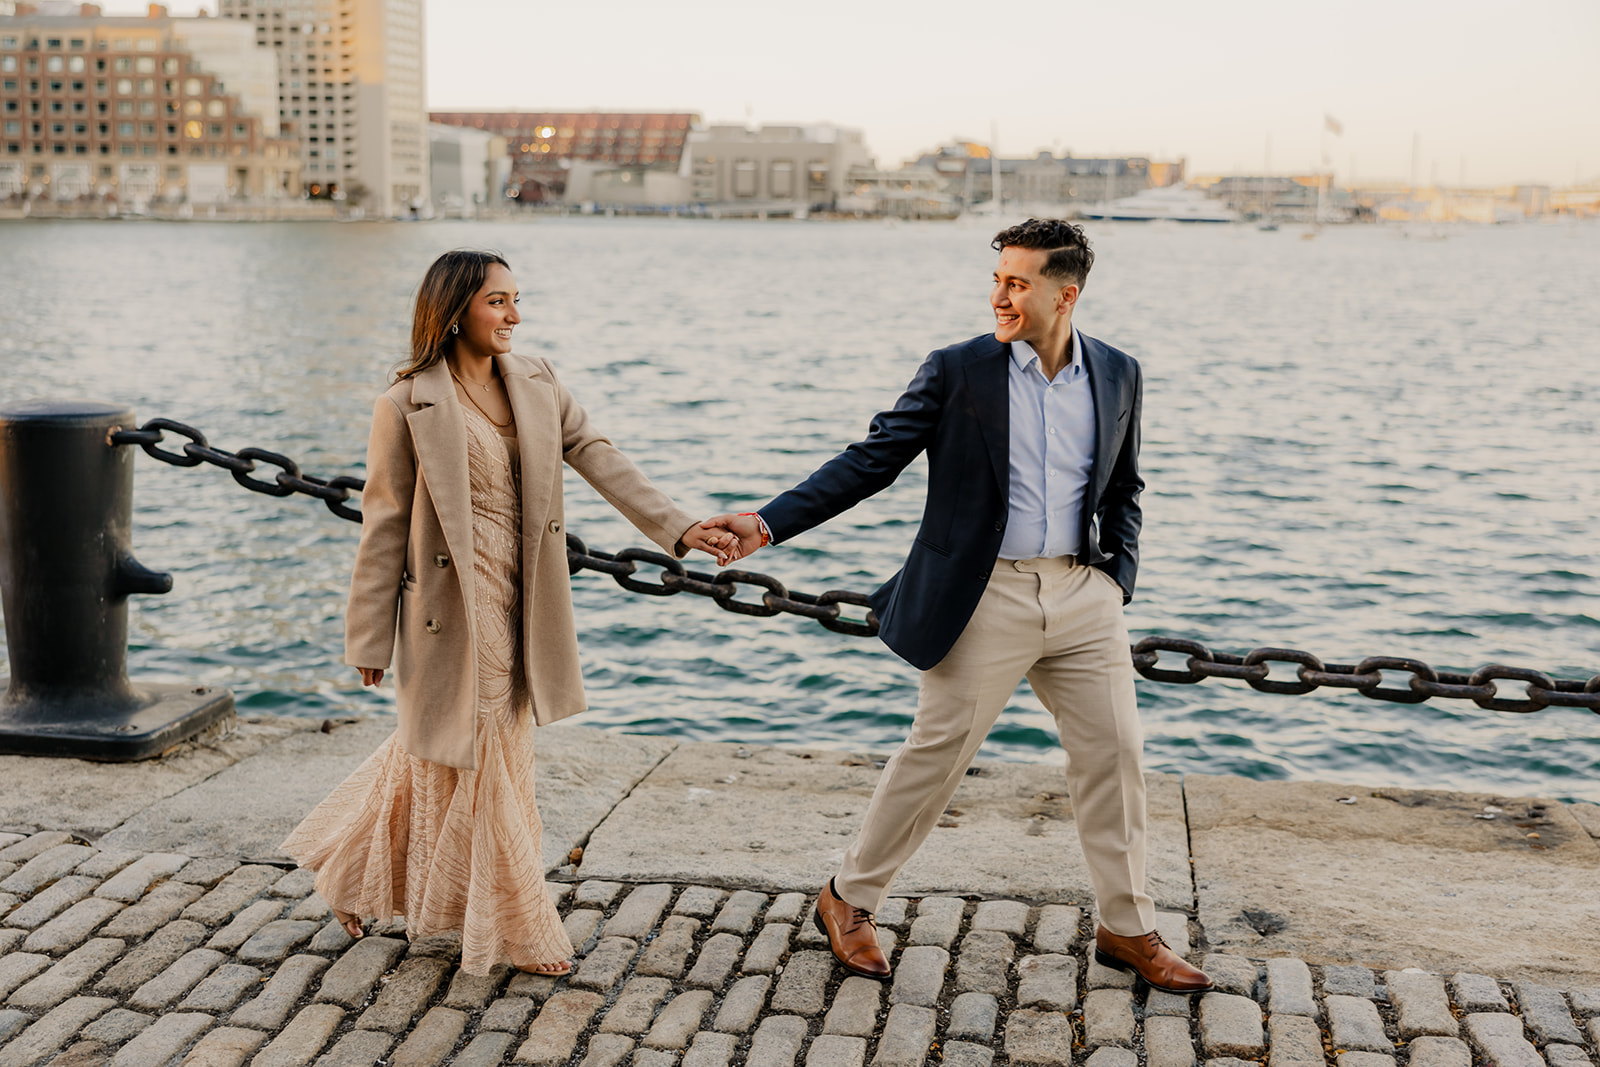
[460, 580]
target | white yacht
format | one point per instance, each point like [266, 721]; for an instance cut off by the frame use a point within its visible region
[1172, 202]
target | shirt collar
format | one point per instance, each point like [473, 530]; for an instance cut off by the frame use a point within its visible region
[1024, 356]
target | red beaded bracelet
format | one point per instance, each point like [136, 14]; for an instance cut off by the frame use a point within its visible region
[766, 536]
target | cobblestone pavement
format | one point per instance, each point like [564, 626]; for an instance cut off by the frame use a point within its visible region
[145, 959]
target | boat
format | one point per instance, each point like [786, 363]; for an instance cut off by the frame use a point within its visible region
[1175, 203]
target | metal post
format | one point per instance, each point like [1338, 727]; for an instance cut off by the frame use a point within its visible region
[66, 571]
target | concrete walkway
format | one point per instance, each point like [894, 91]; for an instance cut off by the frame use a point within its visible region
[147, 917]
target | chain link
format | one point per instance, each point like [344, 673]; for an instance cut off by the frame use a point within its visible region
[1254, 668]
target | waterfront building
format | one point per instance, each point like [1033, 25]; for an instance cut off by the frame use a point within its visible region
[131, 111]
[553, 152]
[1284, 197]
[908, 193]
[1043, 179]
[774, 169]
[350, 92]
[467, 170]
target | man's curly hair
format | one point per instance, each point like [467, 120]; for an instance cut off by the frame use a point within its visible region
[1070, 256]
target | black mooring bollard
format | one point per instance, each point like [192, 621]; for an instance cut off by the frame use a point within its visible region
[66, 570]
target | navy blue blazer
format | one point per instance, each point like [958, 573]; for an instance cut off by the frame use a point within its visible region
[958, 410]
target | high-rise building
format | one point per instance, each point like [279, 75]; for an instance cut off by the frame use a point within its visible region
[351, 86]
[136, 110]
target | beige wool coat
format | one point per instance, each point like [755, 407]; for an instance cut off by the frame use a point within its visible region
[411, 593]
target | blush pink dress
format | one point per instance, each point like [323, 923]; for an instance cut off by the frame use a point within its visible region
[451, 849]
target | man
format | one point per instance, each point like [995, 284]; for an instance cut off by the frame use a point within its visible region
[1027, 551]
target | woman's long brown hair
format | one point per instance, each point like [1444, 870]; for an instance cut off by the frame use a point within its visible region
[446, 291]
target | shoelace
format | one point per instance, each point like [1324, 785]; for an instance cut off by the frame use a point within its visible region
[859, 916]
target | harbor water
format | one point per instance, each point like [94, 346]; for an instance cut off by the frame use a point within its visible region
[1359, 444]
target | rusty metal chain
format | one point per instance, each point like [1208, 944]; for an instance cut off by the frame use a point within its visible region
[241, 464]
[1254, 667]
[1365, 677]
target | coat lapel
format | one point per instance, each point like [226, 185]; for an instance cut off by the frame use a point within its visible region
[439, 433]
[533, 407]
[990, 381]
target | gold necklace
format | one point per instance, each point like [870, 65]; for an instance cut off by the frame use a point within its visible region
[474, 403]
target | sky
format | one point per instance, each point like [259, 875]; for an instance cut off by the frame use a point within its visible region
[1469, 92]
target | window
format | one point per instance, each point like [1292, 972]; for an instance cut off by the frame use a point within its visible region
[192, 107]
[76, 65]
[55, 64]
[217, 109]
[147, 87]
[125, 86]
[8, 63]
[241, 130]
[8, 42]
[123, 65]
[53, 43]
[193, 130]
[193, 87]
[169, 66]
[744, 177]
[145, 65]
[125, 129]
[77, 44]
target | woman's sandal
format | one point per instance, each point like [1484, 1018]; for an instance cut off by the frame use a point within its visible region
[550, 970]
[351, 923]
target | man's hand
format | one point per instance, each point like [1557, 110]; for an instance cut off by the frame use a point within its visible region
[371, 675]
[717, 542]
[747, 528]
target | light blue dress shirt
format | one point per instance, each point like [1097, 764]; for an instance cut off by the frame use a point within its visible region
[1052, 454]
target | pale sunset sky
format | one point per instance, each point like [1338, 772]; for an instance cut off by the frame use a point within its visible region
[1493, 92]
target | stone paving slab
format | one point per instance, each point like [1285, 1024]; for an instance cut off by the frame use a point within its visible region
[246, 809]
[1399, 878]
[790, 814]
[60, 794]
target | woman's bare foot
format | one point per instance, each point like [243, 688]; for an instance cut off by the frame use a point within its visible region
[551, 970]
[351, 923]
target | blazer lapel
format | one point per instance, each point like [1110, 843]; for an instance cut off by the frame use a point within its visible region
[989, 378]
[439, 432]
[1105, 386]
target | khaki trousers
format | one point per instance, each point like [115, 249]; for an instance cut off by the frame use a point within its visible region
[1059, 625]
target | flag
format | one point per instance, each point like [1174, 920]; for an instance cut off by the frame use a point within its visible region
[1334, 126]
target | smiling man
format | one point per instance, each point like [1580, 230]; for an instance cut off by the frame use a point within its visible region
[1028, 549]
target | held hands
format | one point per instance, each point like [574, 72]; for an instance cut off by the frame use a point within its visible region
[746, 528]
[708, 538]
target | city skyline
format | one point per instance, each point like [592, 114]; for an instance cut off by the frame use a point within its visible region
[1462, 95]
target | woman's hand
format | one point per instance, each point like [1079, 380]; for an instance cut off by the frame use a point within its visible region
[719, 543]
[371, 675]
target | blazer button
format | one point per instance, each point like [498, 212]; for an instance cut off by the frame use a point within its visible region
[999, 526]
[555, 525]
[441, 560]
[983, 576]
[433, 626]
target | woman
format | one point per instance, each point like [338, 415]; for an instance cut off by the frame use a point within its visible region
[462, 576]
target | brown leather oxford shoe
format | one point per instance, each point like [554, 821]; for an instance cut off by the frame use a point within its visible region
[852, 934]
[1149, 957]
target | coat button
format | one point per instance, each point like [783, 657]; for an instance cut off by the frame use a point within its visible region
[999, 525]
[433, 626]
[441, 560]
[983, 576]
[555, 525]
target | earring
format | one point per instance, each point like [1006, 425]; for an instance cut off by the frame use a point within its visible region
[455, 328]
